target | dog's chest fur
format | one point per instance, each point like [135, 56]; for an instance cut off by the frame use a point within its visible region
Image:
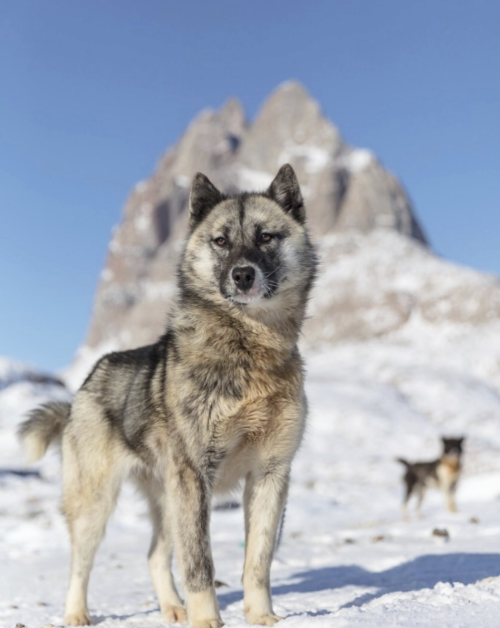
[441, 473]
[233, 381]
[448, 471]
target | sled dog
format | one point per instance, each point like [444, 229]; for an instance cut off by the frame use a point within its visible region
[442, 473]
[217, 400]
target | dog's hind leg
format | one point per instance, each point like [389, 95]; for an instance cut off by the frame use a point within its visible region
[410, 485]
[420, 499]
[161, 550]
[90, 490]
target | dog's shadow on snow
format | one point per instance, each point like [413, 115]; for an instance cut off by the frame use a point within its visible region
[423, 572]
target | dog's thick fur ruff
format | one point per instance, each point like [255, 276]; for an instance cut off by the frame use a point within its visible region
[218, 399]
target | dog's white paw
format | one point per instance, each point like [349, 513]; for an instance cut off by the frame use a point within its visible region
[174, 614]
[207, 623]
[263, 620]
[81, 618]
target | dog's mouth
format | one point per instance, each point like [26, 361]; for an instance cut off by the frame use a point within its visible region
[265, 293]
[249, 297]
[246, 299]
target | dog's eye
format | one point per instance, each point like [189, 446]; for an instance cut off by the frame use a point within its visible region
[220, 241]
[265, 238]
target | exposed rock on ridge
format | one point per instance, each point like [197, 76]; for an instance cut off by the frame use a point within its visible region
[345, 189]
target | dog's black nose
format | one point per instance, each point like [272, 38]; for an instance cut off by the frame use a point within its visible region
[243, 277]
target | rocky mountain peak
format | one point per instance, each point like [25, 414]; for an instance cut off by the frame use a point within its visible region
[233, 116]
[346, 190]
[290, 127]
[292, 99]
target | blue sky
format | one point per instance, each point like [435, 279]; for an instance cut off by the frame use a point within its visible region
[93, 92]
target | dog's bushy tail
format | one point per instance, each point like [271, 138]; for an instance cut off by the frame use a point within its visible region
[403, 461]
[45, 425]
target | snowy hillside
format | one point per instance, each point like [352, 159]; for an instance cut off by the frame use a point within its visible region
[346, 558]
[421, 359]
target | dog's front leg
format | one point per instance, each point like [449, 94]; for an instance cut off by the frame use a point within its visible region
[190, 497]
[450, 492]
[264, 499]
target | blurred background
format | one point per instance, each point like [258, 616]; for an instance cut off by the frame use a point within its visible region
[93, 94]
[389, 113]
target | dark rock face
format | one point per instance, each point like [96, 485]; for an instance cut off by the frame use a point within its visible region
[345, 190]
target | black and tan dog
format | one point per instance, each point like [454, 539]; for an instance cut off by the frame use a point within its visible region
[442, 473]
[218, 399]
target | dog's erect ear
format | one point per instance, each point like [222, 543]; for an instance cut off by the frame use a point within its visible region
[204, 196]
[285, 190]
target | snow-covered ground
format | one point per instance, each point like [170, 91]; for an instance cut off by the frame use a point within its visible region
[346, 557]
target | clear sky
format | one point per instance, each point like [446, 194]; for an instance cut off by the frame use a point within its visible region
[92, 93]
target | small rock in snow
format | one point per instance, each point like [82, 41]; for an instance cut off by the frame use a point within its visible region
[378, 538]
[441, 533]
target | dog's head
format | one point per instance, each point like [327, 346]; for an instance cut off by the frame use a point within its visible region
[248, 251]
[452, 447]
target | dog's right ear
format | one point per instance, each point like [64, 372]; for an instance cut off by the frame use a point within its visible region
[204, 196]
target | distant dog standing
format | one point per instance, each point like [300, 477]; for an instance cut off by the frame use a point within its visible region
[218, 399]
[442, 473]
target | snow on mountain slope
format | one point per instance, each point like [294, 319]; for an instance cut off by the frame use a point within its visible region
[389, 314]
[371, 285]
[401, 348]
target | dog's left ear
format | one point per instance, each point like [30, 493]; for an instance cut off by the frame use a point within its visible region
[285, 190]
[204, 196]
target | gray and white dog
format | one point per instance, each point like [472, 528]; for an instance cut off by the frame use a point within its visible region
[218, 399]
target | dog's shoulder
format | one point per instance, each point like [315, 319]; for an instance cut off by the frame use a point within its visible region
[125, 365]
